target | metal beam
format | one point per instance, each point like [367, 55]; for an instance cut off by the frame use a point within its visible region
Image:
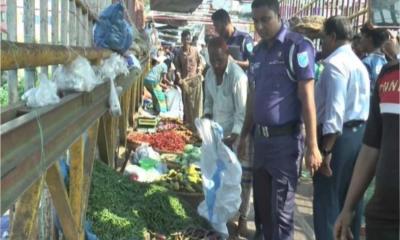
[34, 141]
[24, 55]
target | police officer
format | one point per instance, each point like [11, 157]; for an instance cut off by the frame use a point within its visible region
[276, 105]
[240, 43]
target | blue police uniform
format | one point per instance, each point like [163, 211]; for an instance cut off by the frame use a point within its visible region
[278, 142]
[243, 42]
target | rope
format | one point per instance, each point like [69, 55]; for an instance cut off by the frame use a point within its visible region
[42, 150]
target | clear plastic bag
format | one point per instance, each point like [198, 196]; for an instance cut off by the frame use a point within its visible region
[221, 174]
[76, 76]
[115, 107]
[113, 66]
[43, 95]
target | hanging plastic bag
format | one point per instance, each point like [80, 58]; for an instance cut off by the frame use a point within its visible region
[111, 67]
[133, 62]
[43, 95]
[112, 30]
[221, 174]
[115, 107]
[76, 76]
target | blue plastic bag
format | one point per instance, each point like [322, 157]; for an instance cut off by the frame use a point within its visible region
[112, 30]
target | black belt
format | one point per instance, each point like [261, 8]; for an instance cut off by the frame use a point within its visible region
[353, 123]
[275, 131]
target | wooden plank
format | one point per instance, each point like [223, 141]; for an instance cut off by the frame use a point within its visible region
[55, 12]
[87, 32]
[90, 151]
[44, 33]
[123, 119]
[18, 55]
[26, 210]
[76, 181]
[72, 24]
[29, 35]
[79, 26]
[59, 196]
[12, 80]
[107, 138]
[65, 22]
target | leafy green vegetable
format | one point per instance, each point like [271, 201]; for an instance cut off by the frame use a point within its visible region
[122, 209]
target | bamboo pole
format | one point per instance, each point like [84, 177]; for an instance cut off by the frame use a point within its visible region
[55, 35]
[12, 80]
[44, 33]
[29, 30]
[65, 22]
[24, 55]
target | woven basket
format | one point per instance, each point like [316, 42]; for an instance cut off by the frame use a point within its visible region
[193, 199]
[132, 145]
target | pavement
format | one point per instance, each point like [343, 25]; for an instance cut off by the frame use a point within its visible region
[303, 219]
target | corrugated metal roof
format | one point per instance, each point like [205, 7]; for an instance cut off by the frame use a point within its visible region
[181, 6]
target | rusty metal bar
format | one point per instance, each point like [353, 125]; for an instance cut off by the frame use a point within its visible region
[304, 9]
[365, 14]
[362, 11]
[24, 55]
[342, 8]
[34, 141]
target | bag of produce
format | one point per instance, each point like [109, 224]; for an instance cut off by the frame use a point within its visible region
[76, 76]
[221, 175]
[43, 95]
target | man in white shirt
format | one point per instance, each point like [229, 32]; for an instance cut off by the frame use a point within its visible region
[342, 97]
[226, 91]
[225, 102]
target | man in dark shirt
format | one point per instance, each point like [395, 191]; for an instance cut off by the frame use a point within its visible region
[379, 156]
[240, 43]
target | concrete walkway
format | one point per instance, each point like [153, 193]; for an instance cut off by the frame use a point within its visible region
[303, 213]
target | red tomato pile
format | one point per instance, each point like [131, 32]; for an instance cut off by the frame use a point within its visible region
[165, 141]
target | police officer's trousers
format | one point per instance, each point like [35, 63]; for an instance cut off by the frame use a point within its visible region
[276, 170]
[330, 192]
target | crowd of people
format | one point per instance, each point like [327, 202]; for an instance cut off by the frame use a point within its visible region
[277, 106]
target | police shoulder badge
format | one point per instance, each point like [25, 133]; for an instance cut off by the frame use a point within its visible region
[302, 59]
[249, 47]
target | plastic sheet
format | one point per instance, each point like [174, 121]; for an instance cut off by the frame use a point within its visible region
[76, 76]
[221, 174]
[43, 95]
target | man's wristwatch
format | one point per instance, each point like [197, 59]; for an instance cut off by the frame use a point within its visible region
[325, 152]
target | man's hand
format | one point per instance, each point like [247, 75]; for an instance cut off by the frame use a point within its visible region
[313, 159]
[208, 116]
[325, 168]
[342, 229]
[241, 149]
[230, 139]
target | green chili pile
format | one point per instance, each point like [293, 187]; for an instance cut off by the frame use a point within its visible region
[122, 209]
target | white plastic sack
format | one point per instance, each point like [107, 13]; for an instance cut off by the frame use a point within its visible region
[76, 76]
[112, 67]
[115, 106]
[174, 103]
[133, 62]
[43, 95]
[221, 174]
[145, 151]
[142, 175]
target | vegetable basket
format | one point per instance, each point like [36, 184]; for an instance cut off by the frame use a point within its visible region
[193, 199]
